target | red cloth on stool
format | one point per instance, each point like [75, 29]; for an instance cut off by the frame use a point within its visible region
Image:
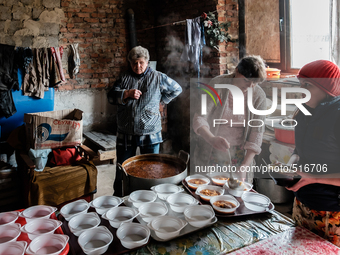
[64, 157]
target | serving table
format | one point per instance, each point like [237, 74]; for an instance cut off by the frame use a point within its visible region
[263, 233]
[226, 235]
[269, 233]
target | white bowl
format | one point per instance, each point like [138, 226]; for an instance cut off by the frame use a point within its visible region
[74, 208]
[37, 212]
[167, 227]
[133, 235]
[17, 248]
[238, 191]
[95, 241]
[104, 203]
[8, 217]
[140, 197]
[50, 244]
[228, 198]
[39, 227]
[119, 215]
[248, 197]
[9, 232]
[81, 222]
[219, 178]
[179, 201]
[199, 215]
[166, 189]
[200, 177]
[150, 210]
[199, 190]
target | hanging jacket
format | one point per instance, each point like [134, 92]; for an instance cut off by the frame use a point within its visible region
[57, 54]
[32, 85]
[43, 54]
[8, 80]
[53, 69]
[73, 60]
[24, 57]
[193, 42]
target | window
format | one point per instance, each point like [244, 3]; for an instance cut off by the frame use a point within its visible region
[298, 31]
[309, 37]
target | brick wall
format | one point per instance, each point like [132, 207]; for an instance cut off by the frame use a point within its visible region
[169, 42]
[169, 39]
[228, 12]
[100, 29]
[145, 19]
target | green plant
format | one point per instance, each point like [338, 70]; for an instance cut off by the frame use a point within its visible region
[216, 32]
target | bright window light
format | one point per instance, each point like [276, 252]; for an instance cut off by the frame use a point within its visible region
[310, 31]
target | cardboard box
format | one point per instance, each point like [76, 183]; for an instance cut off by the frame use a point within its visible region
[54, 129]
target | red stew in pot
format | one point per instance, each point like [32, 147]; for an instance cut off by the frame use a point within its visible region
[151, 169]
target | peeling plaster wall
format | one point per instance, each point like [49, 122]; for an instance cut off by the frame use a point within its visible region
[42, 23]
[100, 29]
[97, 112]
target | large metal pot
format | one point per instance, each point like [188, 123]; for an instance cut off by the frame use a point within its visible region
[277, 194]
[132, 183]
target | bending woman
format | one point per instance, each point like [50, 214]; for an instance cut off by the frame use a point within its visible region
[242, 140]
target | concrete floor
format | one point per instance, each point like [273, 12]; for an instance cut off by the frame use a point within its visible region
[106, 176]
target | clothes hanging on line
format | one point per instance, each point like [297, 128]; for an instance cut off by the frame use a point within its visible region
[45, 71]
[57, 54]
[36, 80]
[8, 79]
[73, 60]
[32, 70]
[24, 58]
[194, 41]
[55, 78]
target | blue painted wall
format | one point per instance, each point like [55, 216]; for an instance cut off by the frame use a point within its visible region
[25, 104]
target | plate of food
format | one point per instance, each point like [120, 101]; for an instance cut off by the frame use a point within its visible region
[241, 209]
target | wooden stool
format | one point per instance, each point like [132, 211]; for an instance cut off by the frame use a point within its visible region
[105, 144]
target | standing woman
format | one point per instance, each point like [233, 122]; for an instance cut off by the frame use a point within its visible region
[241, 140]
[317, 140]
[138, 94]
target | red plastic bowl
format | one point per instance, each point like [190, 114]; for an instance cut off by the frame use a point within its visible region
[273, 73]
[285, 136]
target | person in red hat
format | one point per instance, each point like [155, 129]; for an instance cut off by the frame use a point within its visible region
[317, 153]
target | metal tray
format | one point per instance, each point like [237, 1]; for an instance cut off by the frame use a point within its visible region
[242, 210]
[115, 247]
[186, 230]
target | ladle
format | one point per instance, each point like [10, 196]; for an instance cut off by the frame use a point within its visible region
[232, 183]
